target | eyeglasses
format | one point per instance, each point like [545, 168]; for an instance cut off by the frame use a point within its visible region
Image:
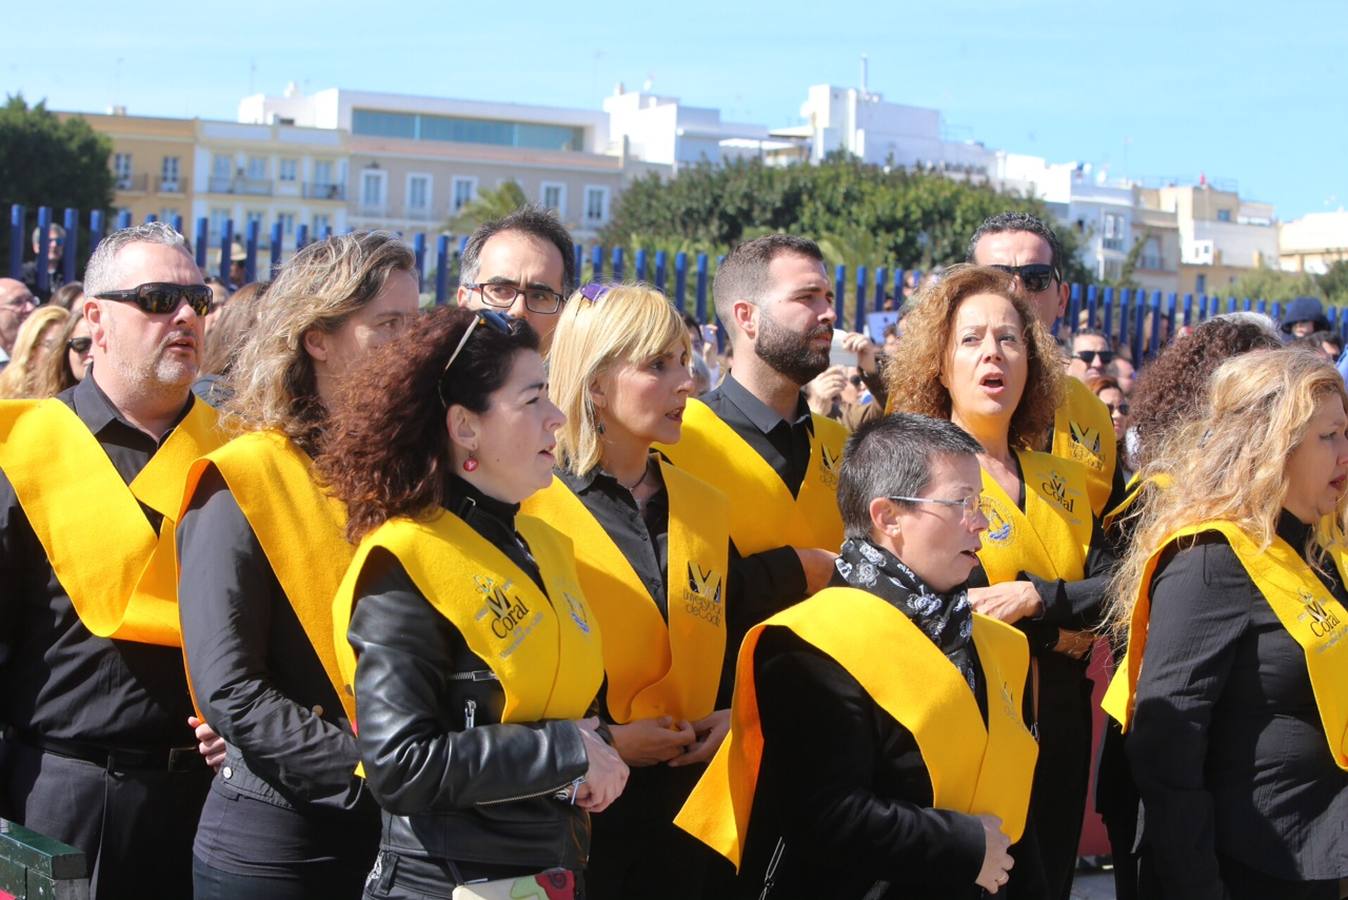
[970, 504]
[80, 344]
[502, 294]
[158, 297]
[26, 302]
[594, 291]
[1089, 356]
[494, 320]
[1121, 408]
[1036, 276]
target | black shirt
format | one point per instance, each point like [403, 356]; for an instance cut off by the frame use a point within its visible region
[1227, 747]
[784, 445]
[59, 680]
[757, 586]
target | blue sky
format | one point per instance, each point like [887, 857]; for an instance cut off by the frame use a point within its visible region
[1257, 93]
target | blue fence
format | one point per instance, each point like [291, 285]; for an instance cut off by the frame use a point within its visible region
[1135, 316]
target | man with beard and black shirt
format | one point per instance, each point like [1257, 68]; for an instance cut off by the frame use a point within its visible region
[96, 749]
[754, 437]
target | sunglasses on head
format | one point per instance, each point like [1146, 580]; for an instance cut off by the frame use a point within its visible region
[1036, 276]
[80, 344]
[1089, 356]
[497, 322]
[595, 291]
[159, 297]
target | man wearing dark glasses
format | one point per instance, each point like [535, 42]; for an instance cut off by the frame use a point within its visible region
[96, 750]
[1027, 249]
[523, 264]
[1091, 355]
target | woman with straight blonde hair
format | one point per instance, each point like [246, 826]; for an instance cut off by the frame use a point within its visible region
[1234, 692]
[67, 365]
[33, 345]
[672, 595]
[262, 550]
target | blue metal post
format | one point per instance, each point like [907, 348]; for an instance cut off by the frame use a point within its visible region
[152, 217]
[250, 248]
[419, 250]
[1074, 310]
[301, 236]
[441, 269]
[16, 215]
[1188, 309]
[1092, 307]
[72, 226]
[226, 247]
[1231, 303]
[1262, 306]
[95, 229]
[199, 239]
[680, 280]
[1139, 324]
[898, 287]
[661, 267]
[1202, 307]
[839, 292]
[618, 263]
[597, 263]
[1125, 321]
[43, 242]
[701, 308]
[1171, 303]
[579, 256]
[1107, 323]
[274, 249]
[1276, 312]
[177, 222]
[860, 304]
[1249, 305]
[639, 263]
[881, 276]
[124, 219]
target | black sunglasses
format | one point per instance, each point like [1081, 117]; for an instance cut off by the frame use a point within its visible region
[1036, 276]
[158, 297]
[1088, 356]
[80, 344]
[502, 324]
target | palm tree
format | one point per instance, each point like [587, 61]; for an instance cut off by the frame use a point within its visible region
[488, 205]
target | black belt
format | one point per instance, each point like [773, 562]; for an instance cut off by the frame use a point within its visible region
[169, 759]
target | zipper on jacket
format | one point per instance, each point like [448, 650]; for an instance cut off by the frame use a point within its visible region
[469, 713]
[548, 793]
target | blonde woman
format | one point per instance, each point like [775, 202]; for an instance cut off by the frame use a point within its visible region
[262, 551]
[1235, 689]
[974, 352]
[69, 363]
[34, 344]
[656, 561]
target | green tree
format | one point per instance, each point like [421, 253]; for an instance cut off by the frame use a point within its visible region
[1272, 284]
[45, 161]
[489, 204]
[1334, 283]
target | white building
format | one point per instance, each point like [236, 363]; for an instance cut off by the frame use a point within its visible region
[1314, 242]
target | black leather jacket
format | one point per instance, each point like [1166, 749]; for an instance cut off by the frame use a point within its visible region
[453, 782]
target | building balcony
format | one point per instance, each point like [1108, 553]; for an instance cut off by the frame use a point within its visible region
[373, 210]
[237, 184]
[316, 191]
[170, 185]
[131, 182]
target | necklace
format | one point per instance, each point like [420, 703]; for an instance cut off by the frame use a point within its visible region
[632, 488]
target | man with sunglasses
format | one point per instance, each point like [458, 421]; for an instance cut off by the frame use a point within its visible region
[56, 248]
[523, 265]
[1027, 249]
[1091, 355]
[96, 749]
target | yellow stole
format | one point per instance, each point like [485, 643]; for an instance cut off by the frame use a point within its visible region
[544, 648]
[656, 669]
[975, 768]
[300, 528]
[765, 515]
[1083, 432]
[1306, 609]
[1136, 487]
[119, 573]
[1051, 538]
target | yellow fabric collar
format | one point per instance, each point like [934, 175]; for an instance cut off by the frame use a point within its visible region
[1051, 538]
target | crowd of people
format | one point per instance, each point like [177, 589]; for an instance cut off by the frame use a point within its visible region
[556, 592]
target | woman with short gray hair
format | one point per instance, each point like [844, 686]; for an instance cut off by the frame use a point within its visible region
[878, 747]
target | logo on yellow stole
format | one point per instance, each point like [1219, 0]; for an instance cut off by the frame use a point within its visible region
[702, 598]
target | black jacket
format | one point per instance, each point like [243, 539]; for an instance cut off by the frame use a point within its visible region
[483, 793]
[1227, 747]
[843, 786]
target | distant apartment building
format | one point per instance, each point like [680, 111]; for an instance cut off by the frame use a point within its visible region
[153, 163]
[1221, 236]
[1314, 242]
[415, 162]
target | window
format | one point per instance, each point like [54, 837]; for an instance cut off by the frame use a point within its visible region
[499, 132]
[372, 189]
[167, 214]
[1151, 255]
[463, 192]
[1201, 284]
[323, 172]
[418, 193]
[218, 218]
[254, 215]
[168, 175]
[287, 220]
[1223, 215]
[321, 225]
[596, 205]
[121, 170]
[553, 196]
[222, 165]
[288, 169]
[257, 167]
[1114, 232]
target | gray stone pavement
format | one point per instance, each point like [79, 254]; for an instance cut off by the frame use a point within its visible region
[1093, 884]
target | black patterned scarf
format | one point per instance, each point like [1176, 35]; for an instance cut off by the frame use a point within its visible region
[947, 619]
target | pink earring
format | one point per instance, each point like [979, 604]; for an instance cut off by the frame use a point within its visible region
[470, 464]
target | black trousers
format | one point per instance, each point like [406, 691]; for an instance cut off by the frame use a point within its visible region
[134, 826]
[1062, 774]
[402, 877]
[1240, 883]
